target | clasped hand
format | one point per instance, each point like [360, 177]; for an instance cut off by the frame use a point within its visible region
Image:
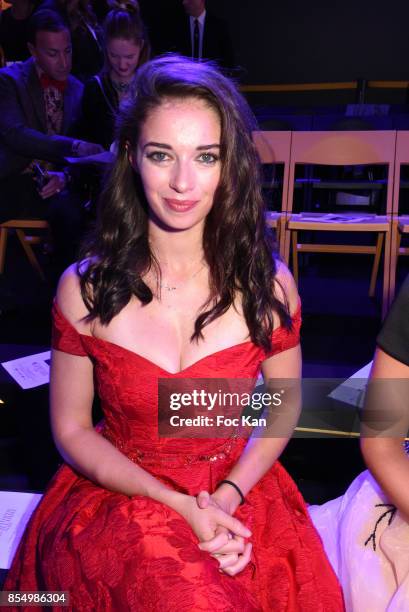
[55, 182]
[220, 534]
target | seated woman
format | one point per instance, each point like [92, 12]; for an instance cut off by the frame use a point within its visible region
[126, 49]
[178, 283]
[366, 531]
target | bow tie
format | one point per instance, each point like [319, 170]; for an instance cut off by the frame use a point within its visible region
[47, 81]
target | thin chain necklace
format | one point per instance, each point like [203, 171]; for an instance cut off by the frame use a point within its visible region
[122, 88]
[173, 288]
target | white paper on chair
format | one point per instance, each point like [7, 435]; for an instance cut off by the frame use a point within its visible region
[352, 390]
[334, 218]
[31, 371]
[15, 511]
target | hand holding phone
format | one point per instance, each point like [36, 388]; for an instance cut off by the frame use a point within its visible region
[39, 176]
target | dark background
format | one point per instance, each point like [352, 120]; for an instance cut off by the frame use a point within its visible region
[298, 41]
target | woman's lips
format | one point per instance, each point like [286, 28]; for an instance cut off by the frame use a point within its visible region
[180, 205]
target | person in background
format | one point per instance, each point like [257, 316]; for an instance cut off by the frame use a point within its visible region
[40, 104]
[162, 19]
[14, 26]
[126, 48]
[201, 35]
[100, 9]
[366, 531]
[86, 36]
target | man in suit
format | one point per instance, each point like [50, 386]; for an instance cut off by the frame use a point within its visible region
[202, 35]
[39, 106]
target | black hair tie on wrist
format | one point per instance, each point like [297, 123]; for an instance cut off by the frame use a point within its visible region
[233, 484]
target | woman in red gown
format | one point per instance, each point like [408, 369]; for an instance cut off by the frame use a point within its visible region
[177, 284]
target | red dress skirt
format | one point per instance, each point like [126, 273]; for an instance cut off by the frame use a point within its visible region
[112, 552]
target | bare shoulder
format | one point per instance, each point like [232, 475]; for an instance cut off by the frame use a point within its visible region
[285, 287]
[69, 299]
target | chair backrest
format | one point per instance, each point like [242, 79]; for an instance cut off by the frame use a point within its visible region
[344, 149]
[401, 159]
[338, 123]
[286, 121]
[275, 148]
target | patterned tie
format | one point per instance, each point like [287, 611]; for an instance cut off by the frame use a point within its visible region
[196, 40]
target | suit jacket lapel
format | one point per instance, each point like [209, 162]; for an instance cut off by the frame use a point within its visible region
[35, 92]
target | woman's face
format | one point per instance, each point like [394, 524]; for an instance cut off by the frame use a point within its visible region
[178, 158]
[123, 57]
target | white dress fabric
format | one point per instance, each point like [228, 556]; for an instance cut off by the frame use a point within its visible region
[367, 543]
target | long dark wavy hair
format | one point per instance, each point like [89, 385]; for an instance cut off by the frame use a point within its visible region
[237, 249]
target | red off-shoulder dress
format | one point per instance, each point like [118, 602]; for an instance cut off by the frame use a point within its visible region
[116, 553]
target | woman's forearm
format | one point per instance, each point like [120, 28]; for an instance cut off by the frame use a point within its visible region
[389, 464]
[266, 443]
[256, 459]
[94, 456]
[384, 425]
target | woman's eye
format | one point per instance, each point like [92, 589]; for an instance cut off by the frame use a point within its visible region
[157, 156]
[208, 158]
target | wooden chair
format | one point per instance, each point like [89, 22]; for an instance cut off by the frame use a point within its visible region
[403, 228]
[341, 149]
[21, 226]
[274, 148]
[2, 58]
[400, 223]
[21, 506]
